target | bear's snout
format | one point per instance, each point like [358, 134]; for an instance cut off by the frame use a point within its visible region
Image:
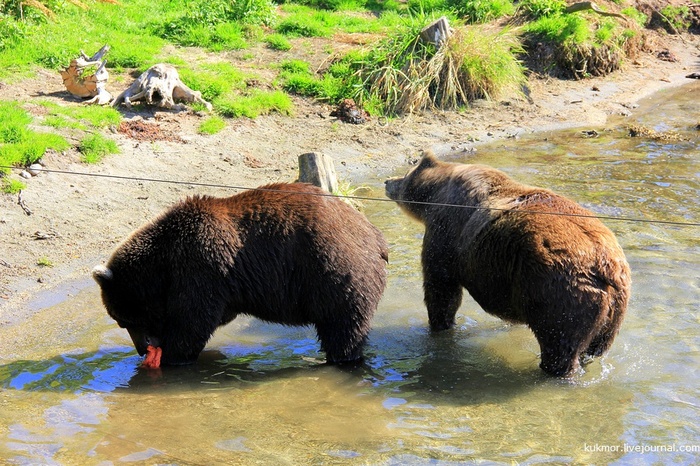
[142, 341]
[392, 187]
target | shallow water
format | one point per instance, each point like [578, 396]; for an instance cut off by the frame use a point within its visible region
[73, 393]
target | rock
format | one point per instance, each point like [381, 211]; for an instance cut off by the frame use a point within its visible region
[25, 174]
[34, 169]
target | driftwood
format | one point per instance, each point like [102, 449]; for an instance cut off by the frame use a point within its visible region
[437, 32]
[160, 85]
[585, 6]
[21, 203]
[92, 85]
[318, 170]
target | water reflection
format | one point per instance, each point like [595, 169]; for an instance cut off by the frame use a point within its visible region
[72, 391]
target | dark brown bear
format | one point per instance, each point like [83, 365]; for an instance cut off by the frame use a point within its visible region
[285, 253]
[565, 276]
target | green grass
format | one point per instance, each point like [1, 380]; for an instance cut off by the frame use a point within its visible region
[677, 16]
[278, 42]
[92, 115]
[10, 185]
[255, 104]
[335, 84]
[561, 29]
[392, 75]
[21, 146]
[51, 43]
[44, 261]
[303, 21]
[214, 24]
[481, 11]
[535, 9]
[212, 125]
[94, 147]
[639, 17]
[214, 80]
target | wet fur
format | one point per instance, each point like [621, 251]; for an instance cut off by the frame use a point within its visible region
[285, 254]
[565, 277]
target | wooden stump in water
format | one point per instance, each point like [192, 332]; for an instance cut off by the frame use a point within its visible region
[318, 170]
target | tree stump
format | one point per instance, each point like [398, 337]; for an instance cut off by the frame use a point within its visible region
[92, 85]
[318, 170]
[160, 85]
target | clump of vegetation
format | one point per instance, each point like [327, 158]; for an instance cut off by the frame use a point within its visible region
[80, 117]
[278, 42]
[332, 86]
[217, 24]
[21, 146]
[212, 125]
[535, 9]
[481, 11]
[639, 17]
[214, 80]
[578, 44]
[95, 146]
[677, 18]
[44, 261]
[232, 92]
[408, 75]
[255, 103]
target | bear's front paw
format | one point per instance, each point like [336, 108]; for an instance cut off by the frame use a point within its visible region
[441, 326]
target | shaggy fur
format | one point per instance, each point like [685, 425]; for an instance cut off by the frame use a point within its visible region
[284, 254]
[565, 277]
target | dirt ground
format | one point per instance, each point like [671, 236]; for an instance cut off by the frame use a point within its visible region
[77, 220]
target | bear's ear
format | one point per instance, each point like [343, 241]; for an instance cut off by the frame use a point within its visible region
[102, 274]
[428, 160]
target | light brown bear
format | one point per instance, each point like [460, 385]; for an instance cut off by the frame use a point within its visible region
[525, 254]
[285, 253]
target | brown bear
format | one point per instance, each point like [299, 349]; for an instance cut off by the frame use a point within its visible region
[285, 253]
[525, 254]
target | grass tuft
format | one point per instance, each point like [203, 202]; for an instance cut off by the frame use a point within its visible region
[407, 75]
[212, 125]
[21, 146]
[255, 104]
[95, 147]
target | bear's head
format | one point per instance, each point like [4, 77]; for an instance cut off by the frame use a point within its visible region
[142, 312]
[125, 306]
[417, 189]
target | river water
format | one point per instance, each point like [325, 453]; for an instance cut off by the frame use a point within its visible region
[261, 395]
